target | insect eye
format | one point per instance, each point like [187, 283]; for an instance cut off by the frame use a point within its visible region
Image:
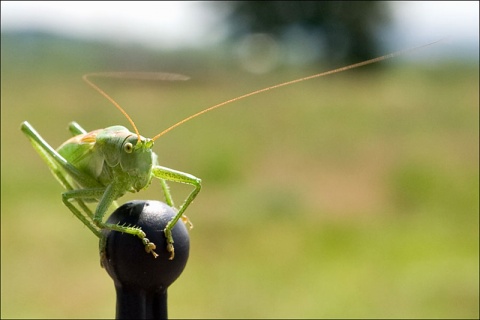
[128, 147]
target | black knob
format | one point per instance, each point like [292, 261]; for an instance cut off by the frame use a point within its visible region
[140, 279]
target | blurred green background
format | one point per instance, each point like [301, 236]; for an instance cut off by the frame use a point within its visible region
[353, 195]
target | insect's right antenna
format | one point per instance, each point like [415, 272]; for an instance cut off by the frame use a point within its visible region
[103, 93]
[352, 66]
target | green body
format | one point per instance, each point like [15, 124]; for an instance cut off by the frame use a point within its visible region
[102, 155]
[101, 166]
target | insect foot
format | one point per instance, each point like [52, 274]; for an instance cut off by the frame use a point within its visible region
[150, 247]
[187, 222]
[152, 217]
[169, 238]
[171, 249]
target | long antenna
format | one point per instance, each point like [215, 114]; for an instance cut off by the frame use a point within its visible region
[349, 67]
[130, 75]
[103, 93]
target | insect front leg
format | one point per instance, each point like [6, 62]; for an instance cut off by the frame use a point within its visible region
[106, 196]
[164, 173]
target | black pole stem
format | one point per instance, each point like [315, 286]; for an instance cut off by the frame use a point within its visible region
[141, 281]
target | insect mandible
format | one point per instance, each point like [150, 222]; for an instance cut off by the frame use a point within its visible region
[102, 165]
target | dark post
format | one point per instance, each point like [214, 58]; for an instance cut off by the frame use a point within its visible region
[141, 281]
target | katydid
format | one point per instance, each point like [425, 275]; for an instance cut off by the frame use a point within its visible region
[102, 165]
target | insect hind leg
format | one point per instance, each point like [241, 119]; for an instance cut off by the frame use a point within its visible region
[88, 217]
[60, 168]
[75, 129]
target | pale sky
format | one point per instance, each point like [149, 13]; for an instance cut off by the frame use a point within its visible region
[165, 24]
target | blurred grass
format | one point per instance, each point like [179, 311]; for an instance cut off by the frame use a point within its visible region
[355, 195]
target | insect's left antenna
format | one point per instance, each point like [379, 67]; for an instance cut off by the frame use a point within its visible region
[103, 93]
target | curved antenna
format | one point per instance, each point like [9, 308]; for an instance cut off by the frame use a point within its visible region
[103, 93]
[341, 69]
[130, 75]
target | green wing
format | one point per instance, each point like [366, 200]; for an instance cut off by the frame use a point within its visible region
[80, 152]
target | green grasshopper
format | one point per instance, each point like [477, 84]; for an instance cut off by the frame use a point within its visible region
[102, 165]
